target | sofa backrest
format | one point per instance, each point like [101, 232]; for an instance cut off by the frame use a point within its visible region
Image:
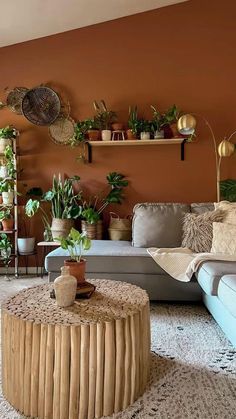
[160, 224]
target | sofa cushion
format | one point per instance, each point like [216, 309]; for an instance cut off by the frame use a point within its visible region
[198, 230]
[108, 256]
[158, 224]
[227, 292]
[201, 207]
[224, 238]
[210, 273]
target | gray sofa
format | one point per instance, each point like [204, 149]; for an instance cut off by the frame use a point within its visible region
[160, 225]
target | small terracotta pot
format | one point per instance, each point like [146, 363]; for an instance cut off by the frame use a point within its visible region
[175, 132]
[77, 269]
[93, 134]
[130, 135]
[117, 126]
[8, 224]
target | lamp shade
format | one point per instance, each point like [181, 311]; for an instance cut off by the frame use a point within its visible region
[225, 148]
[186, 124]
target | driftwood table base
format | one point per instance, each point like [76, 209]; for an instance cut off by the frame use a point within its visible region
[82, 362]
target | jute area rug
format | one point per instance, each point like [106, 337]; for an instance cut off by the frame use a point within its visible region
[193, 366]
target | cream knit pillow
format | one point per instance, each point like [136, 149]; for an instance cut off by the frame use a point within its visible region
[230, 211]
[224, 238]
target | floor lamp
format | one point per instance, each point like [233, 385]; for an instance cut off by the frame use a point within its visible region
[187, 125]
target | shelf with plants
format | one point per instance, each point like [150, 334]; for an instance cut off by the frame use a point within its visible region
[8, 196]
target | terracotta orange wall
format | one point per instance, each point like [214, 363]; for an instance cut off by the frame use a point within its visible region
[183, 54]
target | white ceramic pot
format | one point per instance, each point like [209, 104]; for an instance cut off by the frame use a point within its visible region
[3, 171]
[3, 143]
[25, 245]
[106, 135]
[145, 136]
[65, 288]
[7, 198]
[159, 134]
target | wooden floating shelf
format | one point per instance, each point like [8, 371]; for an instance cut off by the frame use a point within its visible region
[123, 143]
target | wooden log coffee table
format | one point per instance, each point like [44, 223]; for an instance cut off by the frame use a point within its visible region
[85, 361]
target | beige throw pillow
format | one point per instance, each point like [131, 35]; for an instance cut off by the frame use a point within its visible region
[198, 230]
[224, 238]
[230, 211]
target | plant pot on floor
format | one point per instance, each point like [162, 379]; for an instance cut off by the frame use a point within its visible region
[61, 227]
[77, 269]
[93, 231]
[106, 135]
[26, 245]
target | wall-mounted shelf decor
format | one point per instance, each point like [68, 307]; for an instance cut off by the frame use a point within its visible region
[134, 143]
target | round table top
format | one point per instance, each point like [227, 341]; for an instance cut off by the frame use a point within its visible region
[111, 300]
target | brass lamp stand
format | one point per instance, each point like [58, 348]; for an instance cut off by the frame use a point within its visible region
[187, 126]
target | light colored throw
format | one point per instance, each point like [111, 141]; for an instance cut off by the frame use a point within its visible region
[224, 238]
[181, 263]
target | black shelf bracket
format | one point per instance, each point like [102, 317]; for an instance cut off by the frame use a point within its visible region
[182, 149]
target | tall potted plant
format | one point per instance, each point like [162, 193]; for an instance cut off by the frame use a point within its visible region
[92, 208]
[132, 123]
[75, 243]
[64, 206]
[104, 118]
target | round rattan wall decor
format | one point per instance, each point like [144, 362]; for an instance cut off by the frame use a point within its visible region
[41, 105]
[15, 98]
[62, 130]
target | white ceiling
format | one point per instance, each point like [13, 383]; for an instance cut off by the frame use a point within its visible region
[23, 20]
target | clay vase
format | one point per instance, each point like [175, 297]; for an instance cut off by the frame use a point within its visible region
[77, 269]
[93, 134]
[8, 224]
[65, 287]
[130, 135]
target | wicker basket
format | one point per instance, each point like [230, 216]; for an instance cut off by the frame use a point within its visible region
[120, 228]
[93, 231]
[61, 227]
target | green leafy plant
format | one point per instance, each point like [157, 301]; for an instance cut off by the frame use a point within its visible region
[10, 161]
[104, 116]
[228, 189]
[133, 121]
[8, 132]
[31, 208]
[7, 185]
[144, 125]
[171, 115]
[5, 248]
[92, 208]
[5, 214]
[63, 198]
[75, 243]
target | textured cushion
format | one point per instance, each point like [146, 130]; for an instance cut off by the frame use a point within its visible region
[230, 211]
[197, 230]
[158, 224]
[224, 238]
[210, 273]
[200, 208]
[227, 292]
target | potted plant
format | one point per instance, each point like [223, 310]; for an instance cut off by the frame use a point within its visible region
[104, 118]
[31, 208]
[92, 129]
[64, 206]
[7, 134]
[91, 209]
[170, 118]
[7, 164]
[7, 187]
[6, 219]
[75, 243]
[132, 123]
[5, 249]
[157, 123]
[144, 127]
